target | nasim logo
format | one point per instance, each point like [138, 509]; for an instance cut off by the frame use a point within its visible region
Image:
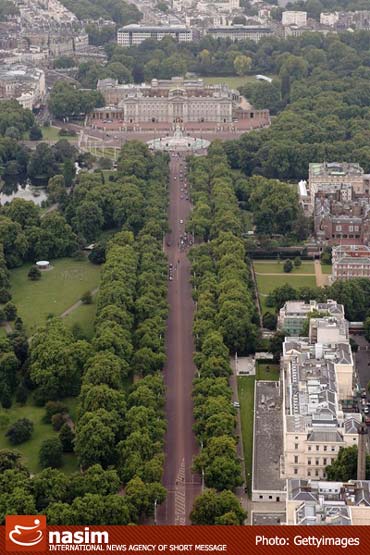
[29, 534]
[25, 533]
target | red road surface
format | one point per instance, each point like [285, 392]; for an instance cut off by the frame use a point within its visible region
[182, 486]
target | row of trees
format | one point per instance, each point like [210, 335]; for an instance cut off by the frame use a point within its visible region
[13, 348]
[118, 11]
[222, 324]
[216, 217]
[129, 338]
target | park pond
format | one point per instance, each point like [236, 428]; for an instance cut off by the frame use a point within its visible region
[25, 191]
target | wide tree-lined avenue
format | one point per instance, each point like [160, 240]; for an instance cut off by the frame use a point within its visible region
[182, 485]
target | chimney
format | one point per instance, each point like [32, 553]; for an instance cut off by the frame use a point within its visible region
[361, 455]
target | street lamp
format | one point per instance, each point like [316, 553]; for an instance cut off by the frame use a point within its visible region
[155, 512]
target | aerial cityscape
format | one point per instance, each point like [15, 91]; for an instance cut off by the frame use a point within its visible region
[185, 262]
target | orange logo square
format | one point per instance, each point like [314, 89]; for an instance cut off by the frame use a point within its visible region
[25, 533]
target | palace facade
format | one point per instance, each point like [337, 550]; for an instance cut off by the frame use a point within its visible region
[174, 101]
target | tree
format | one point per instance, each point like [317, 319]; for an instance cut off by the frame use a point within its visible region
[57, 360]
[20, 431]
[53, 408]
[89, 219]
[35, 133]
[34, 273]
[49, 486]
[344, 467]
[288, 266]
[13, 240]
[42, 164]
[242, 64]
[276, 345]
[95, 438]
[67, 436]
[10, 311]
[297, 262]
[69, 172]
[95, 480]
[87, 298]
[269, 321]
[210, 506]
[50, 454]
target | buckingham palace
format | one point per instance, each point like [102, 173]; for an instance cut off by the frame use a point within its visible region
[176, 100]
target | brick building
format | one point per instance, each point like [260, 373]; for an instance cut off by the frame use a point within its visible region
[350, 261]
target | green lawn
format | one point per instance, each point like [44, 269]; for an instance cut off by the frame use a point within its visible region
[246, 400]
[57, 290]
[104, 152]
[326, 268]
[267, 283]
[84, 316]
[267, 371]
[275, 267]
[51, 134]
[30, 449]
[234, 82]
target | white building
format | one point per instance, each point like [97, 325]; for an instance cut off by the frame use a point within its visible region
[329, 18]
[133, 35]
[294, 18]
[240, 32]
[293, 315]
[317, 375]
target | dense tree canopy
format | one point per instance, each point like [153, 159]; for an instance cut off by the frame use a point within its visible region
[119, 11]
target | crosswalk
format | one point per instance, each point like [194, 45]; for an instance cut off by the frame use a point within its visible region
[180, 498]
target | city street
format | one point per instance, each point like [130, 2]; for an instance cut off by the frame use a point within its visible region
[182, 486]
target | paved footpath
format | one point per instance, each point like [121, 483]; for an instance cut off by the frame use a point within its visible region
[321, 279]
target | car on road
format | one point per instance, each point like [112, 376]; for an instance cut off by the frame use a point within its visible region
[236, 405]
[181, 196]
[181, 221]
[187, 198]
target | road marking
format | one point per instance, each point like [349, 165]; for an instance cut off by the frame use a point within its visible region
[180, 498]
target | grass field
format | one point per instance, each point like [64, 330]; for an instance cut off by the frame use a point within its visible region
[104, 152]
[57, 290]
[267, 283]
[51, 134]
[233, 82]
[84, 316]
[30, 449]
[326, 268]
[275, 267]
[267, 371]
[246, 400]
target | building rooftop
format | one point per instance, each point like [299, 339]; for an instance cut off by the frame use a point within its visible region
[268, 519]
[328, 503]
[335, 168]
[311, 388]
[268, 437]
[238, 28]
[153, 28]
